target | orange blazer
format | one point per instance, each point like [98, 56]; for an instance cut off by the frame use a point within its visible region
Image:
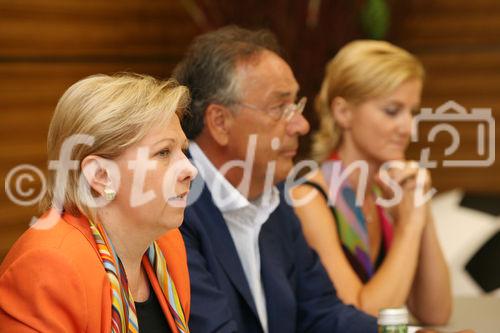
[53, 281]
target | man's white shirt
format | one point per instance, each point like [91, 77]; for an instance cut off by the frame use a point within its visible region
[244, 220]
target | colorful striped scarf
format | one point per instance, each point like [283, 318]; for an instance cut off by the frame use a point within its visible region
[123, 314]
[351, 222]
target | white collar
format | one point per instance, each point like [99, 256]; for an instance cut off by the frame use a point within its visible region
[225, 196]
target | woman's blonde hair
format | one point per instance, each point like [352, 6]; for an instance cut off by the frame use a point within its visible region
[116, 111]
[361, 70]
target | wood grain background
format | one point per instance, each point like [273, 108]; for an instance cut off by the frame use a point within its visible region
[45, 46]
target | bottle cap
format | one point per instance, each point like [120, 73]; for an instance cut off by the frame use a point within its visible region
[393, 316]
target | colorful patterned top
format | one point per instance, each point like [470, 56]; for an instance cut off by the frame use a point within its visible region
[351, 222]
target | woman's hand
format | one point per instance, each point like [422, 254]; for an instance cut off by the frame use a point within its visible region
[411, 210]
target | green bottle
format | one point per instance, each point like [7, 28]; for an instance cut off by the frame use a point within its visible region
[393, 320]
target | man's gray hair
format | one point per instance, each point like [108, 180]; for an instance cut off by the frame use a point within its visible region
[208, 69]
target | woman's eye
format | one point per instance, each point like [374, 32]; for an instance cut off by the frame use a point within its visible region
[163, 153]
[391, 111]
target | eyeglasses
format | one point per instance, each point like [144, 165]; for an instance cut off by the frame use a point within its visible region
[285, 112]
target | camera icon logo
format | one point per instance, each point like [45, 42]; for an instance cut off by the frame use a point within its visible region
[444, 117]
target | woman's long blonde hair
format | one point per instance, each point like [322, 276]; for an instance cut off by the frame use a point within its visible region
[117, 112]
[361, 70]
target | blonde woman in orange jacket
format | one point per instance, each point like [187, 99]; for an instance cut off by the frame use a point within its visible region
[107, 255]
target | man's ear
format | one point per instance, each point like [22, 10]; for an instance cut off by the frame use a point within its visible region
[342, 112]
[96, 173]
[218, 121]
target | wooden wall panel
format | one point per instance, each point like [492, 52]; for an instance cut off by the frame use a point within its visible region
[95, 28]
[458, 42]
[48, 45]
[450, 24]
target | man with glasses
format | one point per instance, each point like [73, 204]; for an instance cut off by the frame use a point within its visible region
[250, 267]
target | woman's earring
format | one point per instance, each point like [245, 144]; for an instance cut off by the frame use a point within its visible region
[109, 194]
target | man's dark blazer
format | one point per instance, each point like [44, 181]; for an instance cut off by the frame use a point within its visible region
[298, 292]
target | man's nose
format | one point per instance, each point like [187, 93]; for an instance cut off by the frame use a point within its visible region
[298, 125]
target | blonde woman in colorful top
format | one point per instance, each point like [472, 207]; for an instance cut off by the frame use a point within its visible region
[377, 257]
[107, 255]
